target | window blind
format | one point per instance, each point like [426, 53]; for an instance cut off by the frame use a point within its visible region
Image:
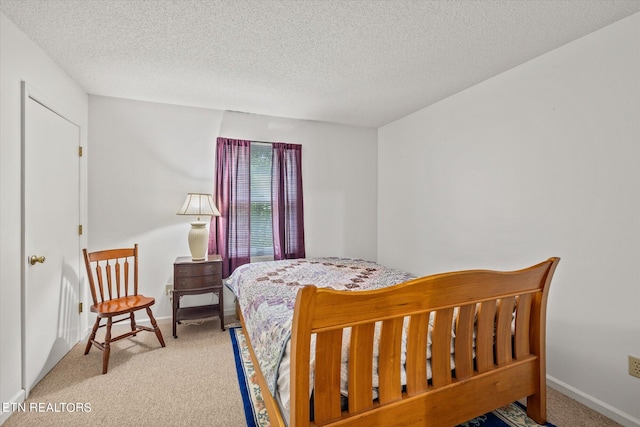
[261, 226]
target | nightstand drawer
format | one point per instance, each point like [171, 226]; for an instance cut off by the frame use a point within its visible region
[195, 282]
[188, 270]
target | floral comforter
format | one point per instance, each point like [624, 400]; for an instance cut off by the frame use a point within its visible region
[266, 293]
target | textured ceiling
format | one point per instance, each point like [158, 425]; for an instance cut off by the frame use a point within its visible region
[362, 63]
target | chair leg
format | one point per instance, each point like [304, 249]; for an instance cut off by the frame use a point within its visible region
[92, 336]
[107, 347]
[155, 326]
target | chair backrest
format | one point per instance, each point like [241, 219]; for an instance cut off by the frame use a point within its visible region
[109, 273]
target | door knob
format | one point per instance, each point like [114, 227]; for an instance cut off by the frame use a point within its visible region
[34, 259]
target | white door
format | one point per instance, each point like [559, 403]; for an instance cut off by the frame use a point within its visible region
[51, 209]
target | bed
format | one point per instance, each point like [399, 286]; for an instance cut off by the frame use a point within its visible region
[343, 342]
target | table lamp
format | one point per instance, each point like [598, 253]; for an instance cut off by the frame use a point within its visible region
[198, 204]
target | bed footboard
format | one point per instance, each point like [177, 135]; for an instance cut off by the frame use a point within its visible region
[493, 321]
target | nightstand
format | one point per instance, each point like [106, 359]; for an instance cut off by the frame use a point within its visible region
[193, 278]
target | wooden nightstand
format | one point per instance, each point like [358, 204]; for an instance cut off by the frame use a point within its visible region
[193, 278]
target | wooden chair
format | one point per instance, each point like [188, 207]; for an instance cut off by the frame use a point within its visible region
[108, 273]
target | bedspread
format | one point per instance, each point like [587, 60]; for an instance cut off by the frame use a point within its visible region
[266, 293]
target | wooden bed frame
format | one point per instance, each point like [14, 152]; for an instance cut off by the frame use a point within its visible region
[499, 318]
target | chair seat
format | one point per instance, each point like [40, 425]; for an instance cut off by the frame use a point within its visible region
[122, 305]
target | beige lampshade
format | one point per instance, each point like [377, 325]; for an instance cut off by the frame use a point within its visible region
[198, 204]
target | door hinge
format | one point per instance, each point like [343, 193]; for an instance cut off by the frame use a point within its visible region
[79, 307]
[80, 229]
[80, 151]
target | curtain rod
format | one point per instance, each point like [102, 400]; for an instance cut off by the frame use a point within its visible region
[266, 142]
[274, 142]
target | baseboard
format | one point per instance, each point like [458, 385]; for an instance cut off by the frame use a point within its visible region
[227, 312]
[147, 322]
[593, 403]
[14, 402]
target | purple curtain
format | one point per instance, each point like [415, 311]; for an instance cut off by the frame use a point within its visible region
[229, 233]
[286, 201]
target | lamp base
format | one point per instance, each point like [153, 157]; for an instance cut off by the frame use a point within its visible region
[198, 240]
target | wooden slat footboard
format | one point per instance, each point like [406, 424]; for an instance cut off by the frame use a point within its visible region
[494, 321]
[507, 365]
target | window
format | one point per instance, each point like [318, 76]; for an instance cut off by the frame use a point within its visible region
[261, 225]
[259, 196]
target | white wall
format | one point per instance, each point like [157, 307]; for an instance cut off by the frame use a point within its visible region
[144, 157]
[339, 174]
[21, 59]
[542, 160]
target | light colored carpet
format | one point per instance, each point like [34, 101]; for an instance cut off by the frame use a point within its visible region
[190, 382]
